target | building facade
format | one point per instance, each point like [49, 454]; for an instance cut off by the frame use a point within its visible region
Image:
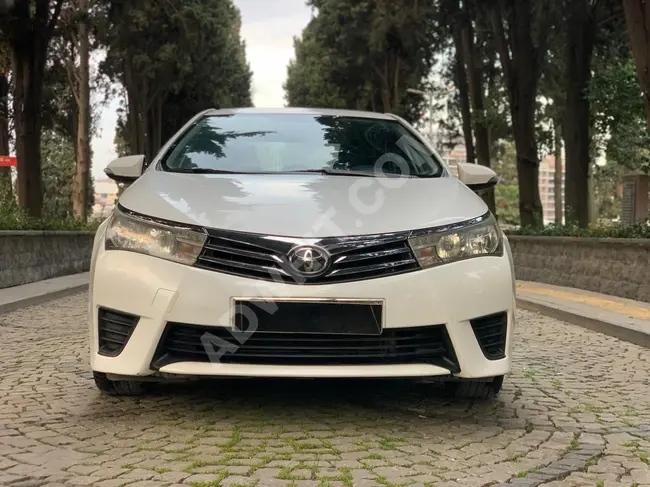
[547, 188]
[105, 197]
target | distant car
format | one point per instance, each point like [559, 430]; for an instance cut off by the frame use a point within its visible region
[300, 243]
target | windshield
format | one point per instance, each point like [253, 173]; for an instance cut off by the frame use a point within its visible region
[278, 143]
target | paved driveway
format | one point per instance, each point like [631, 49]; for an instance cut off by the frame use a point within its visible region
[576, 409]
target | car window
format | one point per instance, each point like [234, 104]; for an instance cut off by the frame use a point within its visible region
[285, 143]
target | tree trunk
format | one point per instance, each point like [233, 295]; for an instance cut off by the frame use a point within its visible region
[156, 124]
[522, 73]
[6, 188]
[132, 124]
[463, 94]
[580, 44]
[80, 192]
[474, 67]
[530, 204]
[637, 17]
[28, 59]
[32, 30]
[557, 176]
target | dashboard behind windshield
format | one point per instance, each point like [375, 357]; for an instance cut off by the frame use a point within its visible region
[284, 143]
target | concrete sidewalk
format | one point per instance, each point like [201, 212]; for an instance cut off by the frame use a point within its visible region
[39, 292]
[621, 318]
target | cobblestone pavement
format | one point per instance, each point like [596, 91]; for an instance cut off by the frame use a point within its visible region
[575, 409]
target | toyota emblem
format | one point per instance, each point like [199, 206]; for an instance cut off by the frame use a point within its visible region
[309, 260]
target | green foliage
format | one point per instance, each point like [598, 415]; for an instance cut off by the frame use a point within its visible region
[507, 191]
[15, 219]
[606, 196]
[58, 172]
[173, 58]
[507, 203]
[620, 117]
[364, 54]
[615, 230]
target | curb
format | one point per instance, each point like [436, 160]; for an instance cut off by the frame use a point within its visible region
[42, 298]
[600, 326]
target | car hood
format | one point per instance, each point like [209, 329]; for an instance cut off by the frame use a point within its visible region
[302, 205]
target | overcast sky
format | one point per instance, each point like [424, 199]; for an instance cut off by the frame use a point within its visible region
[268, 29]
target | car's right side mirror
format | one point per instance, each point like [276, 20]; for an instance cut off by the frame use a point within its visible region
[477, 177]
[126, 169]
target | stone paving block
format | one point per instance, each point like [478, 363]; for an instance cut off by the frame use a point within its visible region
[53, 422]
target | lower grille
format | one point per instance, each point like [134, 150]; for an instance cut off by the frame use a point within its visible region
[114, 330]
[490, 332]
[422, 345]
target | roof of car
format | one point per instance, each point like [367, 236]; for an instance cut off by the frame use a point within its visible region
[300, 111]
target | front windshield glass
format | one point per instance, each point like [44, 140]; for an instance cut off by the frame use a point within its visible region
[281, 143]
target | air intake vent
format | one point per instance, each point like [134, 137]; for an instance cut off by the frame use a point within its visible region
[490, 332]
[421, 345]
[115, 329]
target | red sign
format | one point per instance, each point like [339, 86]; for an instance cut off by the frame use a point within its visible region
[8, 161]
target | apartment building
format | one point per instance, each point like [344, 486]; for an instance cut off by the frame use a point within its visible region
[105, 197]
[547, 188]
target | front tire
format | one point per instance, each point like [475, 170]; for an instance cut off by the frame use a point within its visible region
[119, 387]
[476, 389]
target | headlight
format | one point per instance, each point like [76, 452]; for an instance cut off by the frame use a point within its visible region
[434, 247]
[168, 242]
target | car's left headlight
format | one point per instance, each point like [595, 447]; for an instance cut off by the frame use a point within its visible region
[178, 244]
[440, 246]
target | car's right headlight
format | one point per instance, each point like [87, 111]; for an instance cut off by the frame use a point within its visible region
[178, 244]
[441, 246]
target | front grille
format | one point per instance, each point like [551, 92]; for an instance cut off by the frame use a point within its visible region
[490, 333]
[422, 345]
[263, 257]
[114, 330]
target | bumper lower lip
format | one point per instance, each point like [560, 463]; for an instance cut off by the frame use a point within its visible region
[332, 371]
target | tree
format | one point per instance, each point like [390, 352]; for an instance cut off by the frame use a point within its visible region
[522, 31]
[174, 58]
[584, 21]
[364, 54]
[28, 29]
[470, 55]
[6, 186]
[637, 17]
[74, 53]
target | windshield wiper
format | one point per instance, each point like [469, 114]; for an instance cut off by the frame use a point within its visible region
[341, 172]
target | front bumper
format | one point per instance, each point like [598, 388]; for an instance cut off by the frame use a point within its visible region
[159, 293]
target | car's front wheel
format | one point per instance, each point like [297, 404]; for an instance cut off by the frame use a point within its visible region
[476, 389]
[119, 387]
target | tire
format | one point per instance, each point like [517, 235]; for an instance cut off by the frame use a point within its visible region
[119, 387]
[476, 389]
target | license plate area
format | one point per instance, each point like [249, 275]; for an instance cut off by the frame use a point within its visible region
[331, 316]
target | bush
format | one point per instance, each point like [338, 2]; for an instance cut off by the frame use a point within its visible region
[18, 221]
[615, 230]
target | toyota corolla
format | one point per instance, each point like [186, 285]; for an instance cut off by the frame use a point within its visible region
[300, 243]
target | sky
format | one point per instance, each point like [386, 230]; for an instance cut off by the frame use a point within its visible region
[268, 27]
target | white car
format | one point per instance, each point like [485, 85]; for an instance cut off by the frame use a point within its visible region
[300, 243]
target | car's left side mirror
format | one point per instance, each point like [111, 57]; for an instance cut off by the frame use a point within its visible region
[477, 177]
[126, 169]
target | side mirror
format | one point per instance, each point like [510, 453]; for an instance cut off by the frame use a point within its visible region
[477, 177]
[125, 170]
